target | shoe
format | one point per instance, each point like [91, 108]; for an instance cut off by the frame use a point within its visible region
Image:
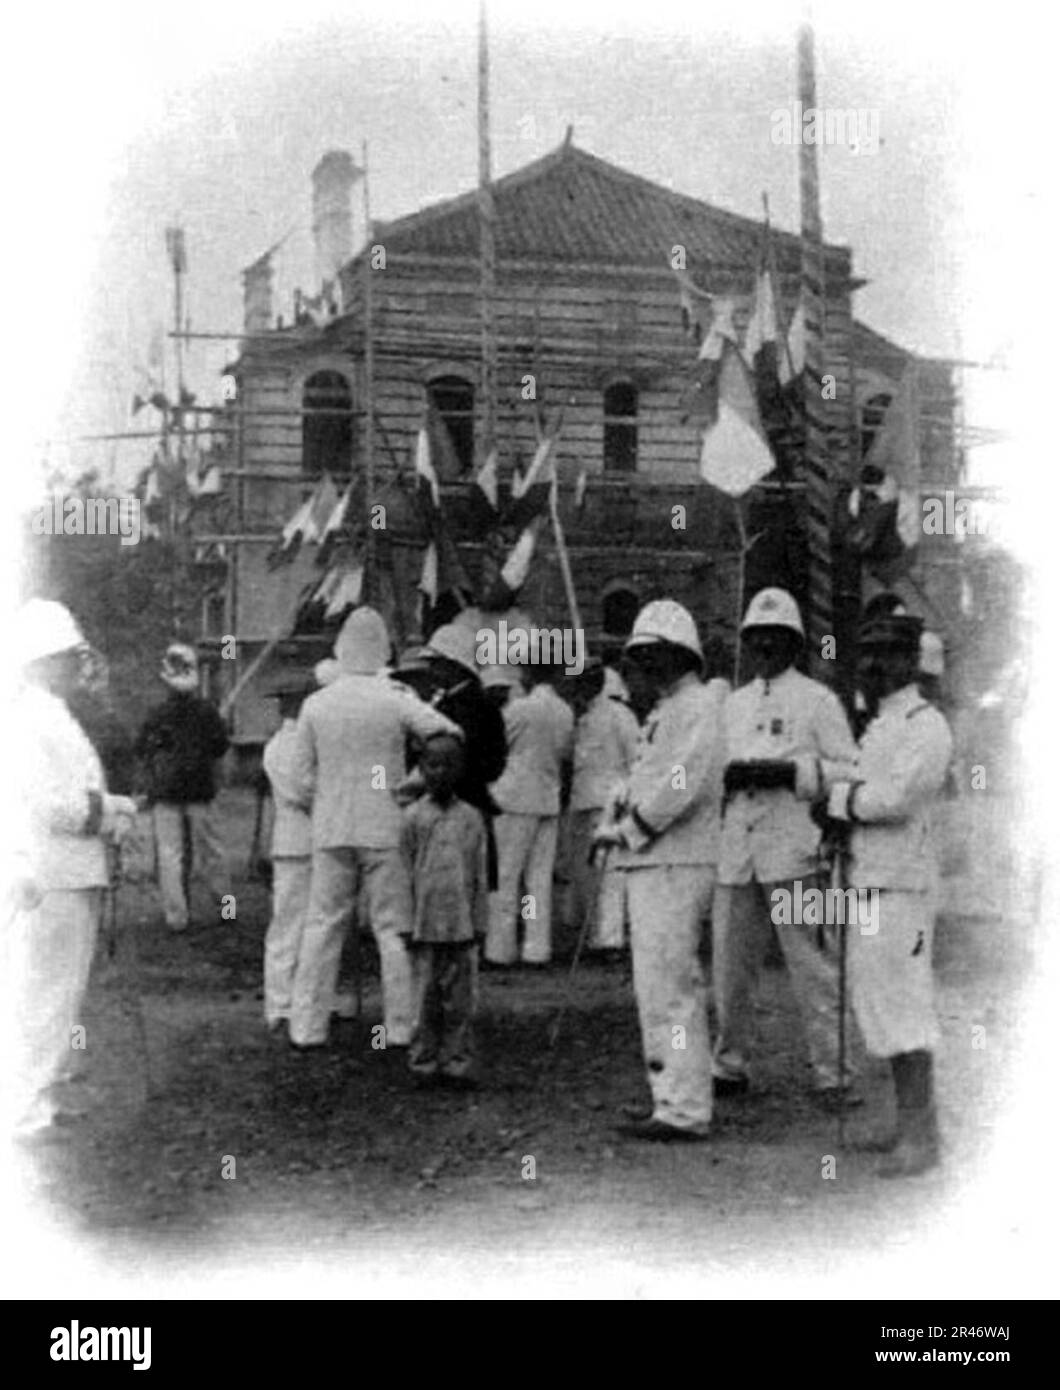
[917, 1149]
[658, 1131]
[835, 1099]
[726, 1087]
[876, 1144]
[912, 1155]
[306, 1047]
[344, 1005]
[485, 964]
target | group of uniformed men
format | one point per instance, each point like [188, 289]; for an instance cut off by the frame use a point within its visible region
[720, 815]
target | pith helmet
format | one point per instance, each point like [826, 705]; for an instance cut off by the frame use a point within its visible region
[456, 643]
[180, 668]
[663, 620]
[773, 608]
[44, 628]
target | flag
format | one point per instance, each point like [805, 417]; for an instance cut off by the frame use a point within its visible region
[580, 488]
[766, 354]
[695, 306]
[482, 497]
[346, 592]
[530, 490]
[722, 329]
[486, 479]
[425, 474]
[308, 522]
[212, 484]
[896, 447]
[516, 568]
[735, 453]
[428, 584]
[793, 361]
[334, 525]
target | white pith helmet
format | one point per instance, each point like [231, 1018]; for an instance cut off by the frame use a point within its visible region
[180, 668]
[44, 627]
[773, 608]
[663, 620]
[456, 643]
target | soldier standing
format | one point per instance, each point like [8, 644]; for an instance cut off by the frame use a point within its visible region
[887, 805]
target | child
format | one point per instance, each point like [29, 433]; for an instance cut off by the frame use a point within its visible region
[444, 842]
[291, 858]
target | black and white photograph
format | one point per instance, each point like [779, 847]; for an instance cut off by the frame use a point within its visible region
[528, 680]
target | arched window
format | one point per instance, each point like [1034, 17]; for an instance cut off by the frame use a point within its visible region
[453, 401]
[872, 413]
[327, 424]
[620, 428]
[621, 606]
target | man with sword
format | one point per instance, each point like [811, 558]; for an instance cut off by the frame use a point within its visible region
[887, 805]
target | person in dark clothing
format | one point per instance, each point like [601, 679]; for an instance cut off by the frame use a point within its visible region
[178, 747]
[445, 675]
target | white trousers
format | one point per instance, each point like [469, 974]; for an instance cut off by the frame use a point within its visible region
[741, 933]
[48, 958]
[207, 858]
[592, 889]
[283, 940]
[890, 975]
[526, 856]
[667, 906]
[332, 893]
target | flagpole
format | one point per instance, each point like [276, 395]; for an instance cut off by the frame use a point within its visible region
[487, 246]
[561, 551]
[371, 579]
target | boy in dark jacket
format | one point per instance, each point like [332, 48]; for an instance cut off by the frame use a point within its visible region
[178, 747]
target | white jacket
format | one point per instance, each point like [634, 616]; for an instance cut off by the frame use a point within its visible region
[672, 802]
[605, 742]
[769, 835]
[291, 824]
[540, 731]
[60, 784]
[900, 775]
[349, 756]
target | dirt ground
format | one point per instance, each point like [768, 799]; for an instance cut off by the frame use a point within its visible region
[345, 1180]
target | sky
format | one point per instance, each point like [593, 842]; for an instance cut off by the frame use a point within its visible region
[213, 116]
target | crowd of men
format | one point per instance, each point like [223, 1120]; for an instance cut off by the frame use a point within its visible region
[426, 793]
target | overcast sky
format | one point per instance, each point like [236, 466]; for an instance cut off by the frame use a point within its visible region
[215, 115]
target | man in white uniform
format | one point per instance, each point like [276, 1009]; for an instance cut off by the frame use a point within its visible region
[64, 820]
[348, 759]
[787, 738]
[663, 837]
[887, 805]
[540, 732]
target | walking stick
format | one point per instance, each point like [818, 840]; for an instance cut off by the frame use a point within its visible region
[127, 985]
[590, 914]
[840, 874]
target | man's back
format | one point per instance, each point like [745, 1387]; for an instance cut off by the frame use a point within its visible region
[540, 729]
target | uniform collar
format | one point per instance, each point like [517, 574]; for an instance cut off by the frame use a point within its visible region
[763, 686]
[900, 702]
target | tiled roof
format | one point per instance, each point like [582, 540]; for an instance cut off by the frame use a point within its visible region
[572, 206]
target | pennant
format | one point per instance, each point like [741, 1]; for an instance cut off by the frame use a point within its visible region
[793, 362]
[580, 488]
[486, 479]
[735, 454]
[516, 568]
[346, 593]
[428, 584]
[212, 484]
[530, 490]
[334, 525]
[425, 474]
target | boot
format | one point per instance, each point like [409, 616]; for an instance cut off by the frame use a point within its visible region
[917, 1147]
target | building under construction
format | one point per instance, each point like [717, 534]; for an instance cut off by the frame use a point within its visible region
[581, 316]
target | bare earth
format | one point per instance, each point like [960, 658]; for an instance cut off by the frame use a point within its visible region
[349, 1182]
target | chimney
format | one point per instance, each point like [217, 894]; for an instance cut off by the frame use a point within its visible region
[337, 231]
[257, 295]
